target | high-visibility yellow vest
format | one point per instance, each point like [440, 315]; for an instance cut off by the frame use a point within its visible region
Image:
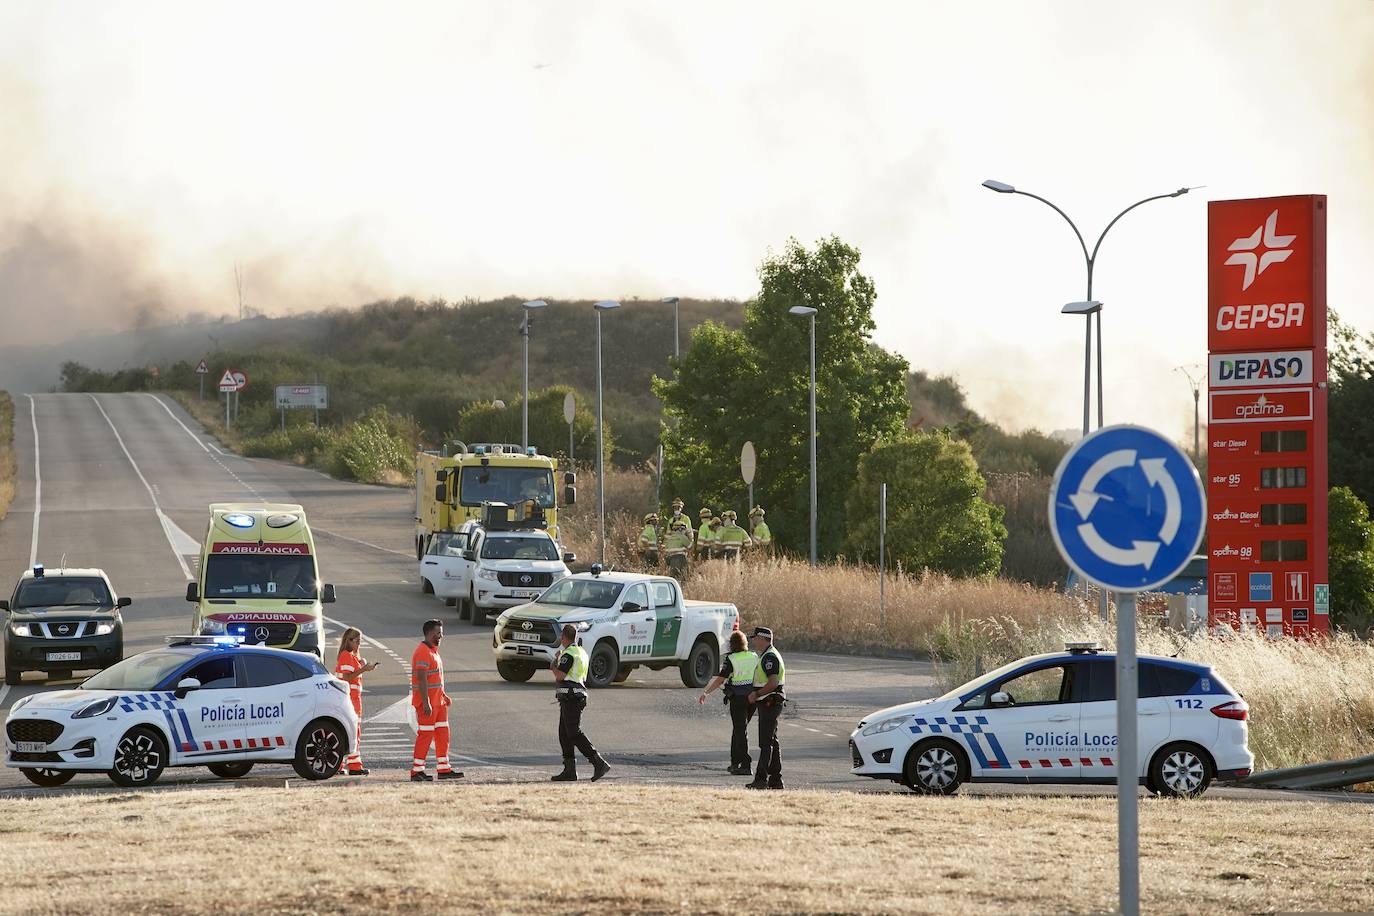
[761, 679]
[677, 542]
[648, 538]
[761, 535]
[732, 535]
[578, 673]
[742, 667]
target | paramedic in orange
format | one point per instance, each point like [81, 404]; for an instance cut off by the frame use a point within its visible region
[431, 705]
[351, 667]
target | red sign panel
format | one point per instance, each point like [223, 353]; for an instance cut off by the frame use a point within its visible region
[1266, 471]
[281, 550]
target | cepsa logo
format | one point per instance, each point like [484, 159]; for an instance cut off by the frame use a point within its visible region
[1261, 283]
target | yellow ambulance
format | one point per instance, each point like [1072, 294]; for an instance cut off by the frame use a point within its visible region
[258, 580]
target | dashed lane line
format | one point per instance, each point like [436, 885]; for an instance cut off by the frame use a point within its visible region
[169, 528]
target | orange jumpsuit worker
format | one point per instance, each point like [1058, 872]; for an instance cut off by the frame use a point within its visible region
[431, 705]
[351, 668]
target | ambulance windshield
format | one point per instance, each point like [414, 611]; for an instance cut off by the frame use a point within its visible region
[253, 577]
[510, 485]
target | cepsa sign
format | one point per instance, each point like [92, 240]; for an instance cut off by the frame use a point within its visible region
[1252, 304]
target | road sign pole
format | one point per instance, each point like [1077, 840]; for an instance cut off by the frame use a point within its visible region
[201, 379]
[882, 556]
[1127, 760]
[227, 396]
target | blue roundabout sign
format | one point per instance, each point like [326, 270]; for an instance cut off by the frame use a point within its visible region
[1127, 508]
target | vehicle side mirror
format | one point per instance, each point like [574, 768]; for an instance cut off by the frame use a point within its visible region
[439, 492]
[570, 496]
[192, 591]
[630, 607]
[569, 477]
[569, 557]
[327, 595]
[185, 686]
[124, 601]
[4, 605]
[470, 556]
[1000, 698]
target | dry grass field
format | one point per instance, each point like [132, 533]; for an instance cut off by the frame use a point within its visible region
[8, 468]
[515, 849]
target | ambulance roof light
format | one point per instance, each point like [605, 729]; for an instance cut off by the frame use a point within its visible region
[239, 520]
[531, 451]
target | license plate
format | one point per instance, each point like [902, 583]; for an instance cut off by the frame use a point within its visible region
[533, 593]
[31, 747]
[525, 637]
[64, 656]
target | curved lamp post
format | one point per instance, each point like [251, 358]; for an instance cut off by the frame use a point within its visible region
[604, 305]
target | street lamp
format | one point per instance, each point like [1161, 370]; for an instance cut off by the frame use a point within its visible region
[604, 305]
[672, 300]
[529, 307]
[803, 311]
[1002, 187]
[1196, 385]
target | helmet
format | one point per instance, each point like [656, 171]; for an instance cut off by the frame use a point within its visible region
[677, 504]
[757, 510]
[704, 513]
[715, 520]
[728, 515]
[679, 525]
[650, 518]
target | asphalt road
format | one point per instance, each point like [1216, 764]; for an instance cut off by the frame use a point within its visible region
[122, 482]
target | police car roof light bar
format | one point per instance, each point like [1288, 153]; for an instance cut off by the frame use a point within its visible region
[1091, 647]
[204, 639]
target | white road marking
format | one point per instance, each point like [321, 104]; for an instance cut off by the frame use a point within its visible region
[37, 485]
[168, 526]
[392, 654]
[160, 403]
[215, 447]
[344, 537]
[4, 691]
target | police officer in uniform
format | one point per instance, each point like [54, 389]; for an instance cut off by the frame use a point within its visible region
[737, 674]
[768, 697]
[569, 668]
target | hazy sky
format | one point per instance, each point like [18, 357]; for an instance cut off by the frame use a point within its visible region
[345, 152]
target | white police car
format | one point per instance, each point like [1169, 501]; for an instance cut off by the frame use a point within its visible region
[200, 701]
[1052, 719]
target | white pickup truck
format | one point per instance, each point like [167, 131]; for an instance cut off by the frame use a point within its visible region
[480, 571]
[624, 620]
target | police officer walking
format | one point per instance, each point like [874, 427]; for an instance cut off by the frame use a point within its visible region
[768, 697]
[569, 668]
[737, 674]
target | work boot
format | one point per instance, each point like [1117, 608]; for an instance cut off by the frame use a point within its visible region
[775, 782]
[360, 772]
[756, 784]
[740, 769]
[569, 773]
[451, 774]
[421, 776]
[599, 767]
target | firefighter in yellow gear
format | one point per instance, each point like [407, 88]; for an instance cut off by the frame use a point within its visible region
[759, 532]
[648, 541]
[676, 545]
[703, 534]
[732, 538]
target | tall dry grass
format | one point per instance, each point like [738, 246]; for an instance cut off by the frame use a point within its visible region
[1310, 700]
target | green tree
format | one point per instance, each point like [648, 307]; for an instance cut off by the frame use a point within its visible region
[936, 515]
[1350, 549]
[485, 422]
[730, 387]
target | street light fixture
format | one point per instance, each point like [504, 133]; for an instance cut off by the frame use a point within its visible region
[528, 307]
[803, 311]
[604, 305]
[672, 300]
[1001, 187]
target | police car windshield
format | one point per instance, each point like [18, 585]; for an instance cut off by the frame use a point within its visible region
[979, 683]
[141, 672]
[516, 548]
[488, 483]
[251, 577]
[62, 591]
[582, 593]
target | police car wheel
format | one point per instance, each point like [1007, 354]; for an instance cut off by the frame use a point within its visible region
[139, 758]
[514, 672]
[47, 778]
[320, 750]
[701, 663]
[1180, 771]
[230, 770]
[935, 767]
[603, 665]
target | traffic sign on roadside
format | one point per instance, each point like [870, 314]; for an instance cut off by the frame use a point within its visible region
[1127, 508]
[201, 368]
[227, 383]
[240, 379]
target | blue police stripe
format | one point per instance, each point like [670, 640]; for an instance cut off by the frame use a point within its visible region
[972, 741]
[171, 725]
[190, 739]
[996, 748]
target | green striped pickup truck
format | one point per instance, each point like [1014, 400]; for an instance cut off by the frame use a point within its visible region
[624, 620]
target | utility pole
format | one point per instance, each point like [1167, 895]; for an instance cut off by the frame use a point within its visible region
[1193, 374]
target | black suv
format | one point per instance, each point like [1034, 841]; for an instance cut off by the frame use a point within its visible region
[62, 621]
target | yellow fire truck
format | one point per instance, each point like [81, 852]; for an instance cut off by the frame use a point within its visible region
[452, 489]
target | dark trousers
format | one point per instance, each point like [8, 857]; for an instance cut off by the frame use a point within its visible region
[741, 711]
[770, 753]
[570, 736]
